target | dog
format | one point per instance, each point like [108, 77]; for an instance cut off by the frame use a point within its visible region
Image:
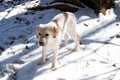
[49, 35]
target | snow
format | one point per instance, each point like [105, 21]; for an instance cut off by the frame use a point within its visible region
[97, 59]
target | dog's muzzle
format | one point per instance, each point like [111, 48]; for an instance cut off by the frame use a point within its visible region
[41, 43]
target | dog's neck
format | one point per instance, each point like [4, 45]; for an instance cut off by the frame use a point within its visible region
[55, 23]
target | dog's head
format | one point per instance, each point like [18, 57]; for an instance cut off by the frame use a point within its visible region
[46, 34]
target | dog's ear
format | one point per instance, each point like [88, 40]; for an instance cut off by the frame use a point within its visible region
[55, 31]
[37, 28]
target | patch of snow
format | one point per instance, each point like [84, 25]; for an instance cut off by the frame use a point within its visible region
[97, 59]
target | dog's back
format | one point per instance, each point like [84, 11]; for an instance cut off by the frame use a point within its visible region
[65, 20]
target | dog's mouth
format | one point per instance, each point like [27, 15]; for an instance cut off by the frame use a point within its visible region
[41, 43]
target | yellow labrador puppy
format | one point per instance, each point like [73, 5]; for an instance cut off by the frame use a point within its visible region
[49, 35]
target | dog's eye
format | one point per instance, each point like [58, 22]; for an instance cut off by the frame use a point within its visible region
[46, 34]
[39, 34]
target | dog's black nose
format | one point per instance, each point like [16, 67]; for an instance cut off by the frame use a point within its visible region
[41, 43]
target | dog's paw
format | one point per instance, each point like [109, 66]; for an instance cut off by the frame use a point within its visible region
[53, 68]
[40, 63]
[74, 50]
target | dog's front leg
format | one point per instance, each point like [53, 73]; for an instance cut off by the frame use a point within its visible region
[54, 60]
[43, 60]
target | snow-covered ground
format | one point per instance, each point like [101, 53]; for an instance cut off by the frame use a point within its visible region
[97, 59]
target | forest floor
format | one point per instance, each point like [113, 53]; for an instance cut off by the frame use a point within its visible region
[97, 59]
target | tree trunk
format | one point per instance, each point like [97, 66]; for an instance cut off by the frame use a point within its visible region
[61, 7]
[99, 6]
[73, 2]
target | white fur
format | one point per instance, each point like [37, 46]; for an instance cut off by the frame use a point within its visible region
[64, 24]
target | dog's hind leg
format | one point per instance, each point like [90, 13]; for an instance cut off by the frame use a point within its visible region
[77, 42]
[65, 39]
[76, 38]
